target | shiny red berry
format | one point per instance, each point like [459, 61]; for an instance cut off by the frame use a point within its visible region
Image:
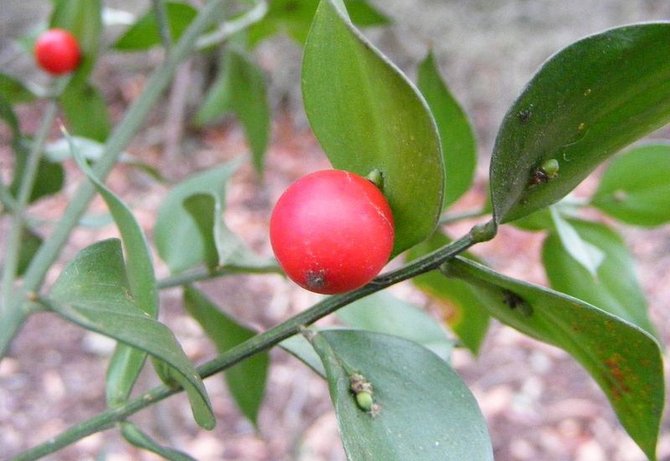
[57, 51]
[332, 231]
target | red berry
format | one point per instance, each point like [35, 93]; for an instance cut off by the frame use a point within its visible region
[332, 231]
[57, 51]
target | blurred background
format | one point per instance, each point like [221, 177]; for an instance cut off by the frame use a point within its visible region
[539, 403]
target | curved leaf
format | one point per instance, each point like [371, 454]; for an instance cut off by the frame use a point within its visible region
[384, 313]
[456, 135]
[585, 103]
[613, 287]
[145, 34]
[85, 110]
[138, 438]
[635, 188]
[178, 237]
[127, 362]
[459, 306]
[367, 116]
[421, 409]
[624, 360]
[93, 291]
[14, 91]
[240, 88]
[246, 380]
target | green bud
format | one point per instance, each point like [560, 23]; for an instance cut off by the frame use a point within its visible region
[364, 401]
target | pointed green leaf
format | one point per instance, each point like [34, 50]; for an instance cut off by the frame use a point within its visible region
[294, 17]
[177, 235]
[635, 187]
[246, 380]
[240, 88]
[14, 91]
[585, 103]
[384, 313]
[462, 311]
[127, 362]
[420, 409]
[30, 243]
[582, 252]
[624, 360]
[367, 115]
[301, 349]
[93, 291]
[614, 287]
[140, 439]
[49, 180]
[145, 34]
[456, 134]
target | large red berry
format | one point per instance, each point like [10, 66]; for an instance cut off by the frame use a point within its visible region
[57, 51]
[332, 231]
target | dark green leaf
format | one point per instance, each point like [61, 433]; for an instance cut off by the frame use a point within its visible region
[85, 111]
[127, 362]
[145, 34]
[246, 380]
[301, 349]
[137, 437]
[384, 313]
[240, 88]
[368, 116]
[177, 236]
[49, 180]
[614, 287]
[14, 91]
[623, 359]
[421, 410]
[587, 102]
[635, 188]
[30, 243]
[456, 135]
[461, 309]
[93, 291]
[294, 18]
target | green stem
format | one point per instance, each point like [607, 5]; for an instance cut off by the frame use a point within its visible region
[13, 243]
[116, 143]
[163, 26]
[233, 26]
[206, 274]
[258, 343]
[456, 217]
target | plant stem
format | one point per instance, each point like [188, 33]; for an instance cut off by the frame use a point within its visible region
[163, 25]
[258, 343]
[456, 217]
[205, 274]
[13, 243]
[116, 143]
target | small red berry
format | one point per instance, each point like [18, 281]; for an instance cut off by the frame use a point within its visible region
[57, 51]
[332, 231]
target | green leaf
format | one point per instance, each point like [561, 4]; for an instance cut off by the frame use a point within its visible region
[246, 380]
[462, 311]
[145, 34]
[14, 91]
[240, 88]
[127, 362]
[301, 349]
[30, 243]
[613, 288]
[367, 115]
[421, 409]
[585, 103]
[140, 439]
[624, 360]
[294, 18]
[635, 187]
[93, 291]
[456, 135]
[49, 180]
[177, 235]
[585, 254]
[384, 313]
[85, 111]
